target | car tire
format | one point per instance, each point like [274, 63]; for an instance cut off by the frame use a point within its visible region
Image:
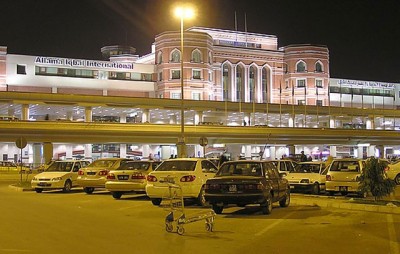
[38, 190]
[67, 186]
[397, 179]
[286, 200]
[117, 194]
[88, 190]
[201, 200]
[266, 207]
[156, 201]
[316, 189]
[217, 208]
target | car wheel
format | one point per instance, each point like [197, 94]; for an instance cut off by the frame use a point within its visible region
[217, 208]
[117, 194]
[316, 189]
[156, 201]
[397, 179]
[88, 190]
[201, 200]
[266, 207]
[286, 200]
[67, 186]
[38, 190]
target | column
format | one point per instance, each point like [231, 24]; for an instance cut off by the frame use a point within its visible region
[25, 112]
[122, 118]
[371, 151]
[88, 114]
[370, 123]
[360, 152]
[70, 115]
[380, 151]
[199, 151]
[247, 152]
[68, 152]
[332, 122]
[198, 117]
[146, 151]
[292, 149]
[172, 119]
[234, 150]
[88, 151]
[146, 116]
[47, 152]
[272, 153]
[291, 122]
[37, 154]
[122, 150]
[332, 151]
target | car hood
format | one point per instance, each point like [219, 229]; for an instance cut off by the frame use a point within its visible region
[52, 174]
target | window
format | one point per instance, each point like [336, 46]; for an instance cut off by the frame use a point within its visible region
[196, 96]
[301, 83]
[196, 56]
[176, 56]
[319, 103]
[318, 67]
[301, 102]
[300, 67]
[175, 74]
[196, 74]
[318, 83]
[21, 69]
[175, 95]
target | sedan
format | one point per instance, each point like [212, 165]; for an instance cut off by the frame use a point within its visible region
[129, 177]
[187, 174]
[95, 175]
[308, 176]
[247, 182]
[393, 172]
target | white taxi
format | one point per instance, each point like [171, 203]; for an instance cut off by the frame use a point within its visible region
[393, 172]
[188, 174]
[309, 176]
[59, 175]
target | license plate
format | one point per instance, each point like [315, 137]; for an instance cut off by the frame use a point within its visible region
[43, 184]
[343, 188]
[123, 177]
[291, 187]
[232, 188]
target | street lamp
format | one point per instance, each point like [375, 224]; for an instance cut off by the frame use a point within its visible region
[183, 12]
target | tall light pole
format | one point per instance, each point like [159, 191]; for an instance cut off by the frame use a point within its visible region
[183, 12]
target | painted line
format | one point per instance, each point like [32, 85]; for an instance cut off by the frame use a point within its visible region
[394, 244]
[278, 221]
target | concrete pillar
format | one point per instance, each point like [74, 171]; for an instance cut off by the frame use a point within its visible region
[54, 90]
[70, 115]
[380, 151]
[292, 149]
[172, 119]
[247, 152]
[146, 116]
[167, 151]
[25, 112]
[198, 151]
[47, 152]
[291, 122]
[272, 153]
[332, 123]
[122, 118]
[88, 114]
[198, 117]
[371, 151]
[332, 151]
[146, 151]
[360, 152]
[370, 123]
[234, 150]
[68, 152]
[122, 150]
[37, 154]
[88, 151]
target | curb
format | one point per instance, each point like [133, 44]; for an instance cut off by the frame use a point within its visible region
[21, 189]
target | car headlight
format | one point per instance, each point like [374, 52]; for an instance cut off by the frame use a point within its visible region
[305, 181]
[56, 179]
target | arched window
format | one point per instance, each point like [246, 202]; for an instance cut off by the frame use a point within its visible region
[318, 67]
[175, 56]
[300, 67]
[252, 83]
[196, 56]
[159, 57]
[239, 83]
[226, 82]
[264, 85]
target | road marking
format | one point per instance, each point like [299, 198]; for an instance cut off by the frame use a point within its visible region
[270, 226]
[394, 244]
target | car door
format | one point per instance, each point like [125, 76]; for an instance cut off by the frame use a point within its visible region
[74, 174]
[208, 169]
[272, 175]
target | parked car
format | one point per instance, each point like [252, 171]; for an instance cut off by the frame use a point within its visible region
[130, 177]
[10, 166]
[308, 176]
[393, 172]
[285, 166]
[95, 174]
[189, 173]
[247, 182]
[343, 176]
[59, 175]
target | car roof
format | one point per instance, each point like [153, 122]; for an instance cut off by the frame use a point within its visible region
[311, 162]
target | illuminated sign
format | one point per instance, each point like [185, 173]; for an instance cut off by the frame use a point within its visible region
[365, 83]
[68, 62]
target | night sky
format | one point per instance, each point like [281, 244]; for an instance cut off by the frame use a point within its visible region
[363, 36]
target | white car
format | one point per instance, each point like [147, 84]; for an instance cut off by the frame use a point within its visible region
[285, 166]
[59, 175]
[393, 172]
[189, 174]
[95, 174]
[129, 177]
[308, 176]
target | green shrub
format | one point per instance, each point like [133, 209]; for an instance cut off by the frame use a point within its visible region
[374, 180]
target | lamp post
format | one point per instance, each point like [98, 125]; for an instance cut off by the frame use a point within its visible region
[182, 13]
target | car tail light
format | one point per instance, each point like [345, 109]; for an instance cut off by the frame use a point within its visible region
[138, 176]
[80, 173]
[189, 178]
[151, 178]
[103, 173]
[328, 178]
[110, 176]
[387, 168]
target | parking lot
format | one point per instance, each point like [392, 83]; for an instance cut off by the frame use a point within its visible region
[55, 222]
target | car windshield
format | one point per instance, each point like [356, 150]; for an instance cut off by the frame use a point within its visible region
[345, 166]
[240, 169]
[177, 165]
[136, 165]
[102, 164]
[307, 168]
[60, 166]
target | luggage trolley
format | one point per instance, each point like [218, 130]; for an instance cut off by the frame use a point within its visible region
[175, 204]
